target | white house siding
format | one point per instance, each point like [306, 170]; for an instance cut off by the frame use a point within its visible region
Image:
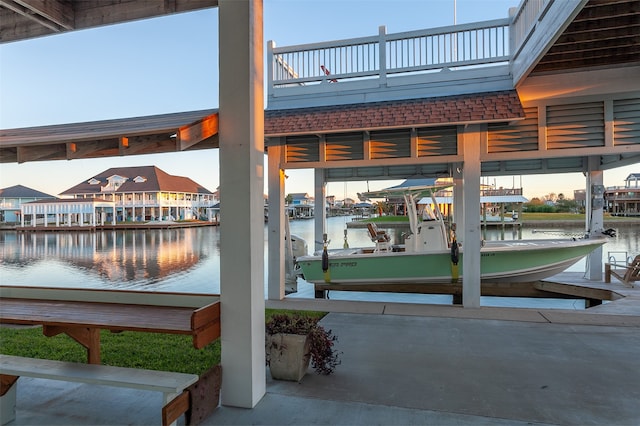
[88, 212]
[147, 206]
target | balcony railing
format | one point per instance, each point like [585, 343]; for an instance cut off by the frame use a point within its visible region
[483, 43]
[474, 51]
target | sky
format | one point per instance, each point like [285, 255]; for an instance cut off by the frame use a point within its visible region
[170, 64]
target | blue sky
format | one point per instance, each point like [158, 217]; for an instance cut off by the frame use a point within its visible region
[170, 64]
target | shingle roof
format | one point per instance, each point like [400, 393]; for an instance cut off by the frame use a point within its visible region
[479, 107]
[299, 195]
[20, 191]
[155, 180]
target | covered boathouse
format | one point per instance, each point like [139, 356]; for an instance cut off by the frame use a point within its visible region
[556, 92]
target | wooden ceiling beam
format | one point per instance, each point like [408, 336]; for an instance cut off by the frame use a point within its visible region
[595, 10]
[55, 11]
[147, 144]
[575, 61]
[623, 23]
[600, 48]
[25, 19]
[52, 14]
[92, 149]
[604, 36]
[8, 155]
[191, 134]
[42, 153]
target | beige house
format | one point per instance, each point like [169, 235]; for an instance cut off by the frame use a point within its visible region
[123, 194]
[147, 193]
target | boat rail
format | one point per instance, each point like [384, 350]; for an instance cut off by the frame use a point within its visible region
[619, 258]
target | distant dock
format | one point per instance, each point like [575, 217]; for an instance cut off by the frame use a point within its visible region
[129, 226]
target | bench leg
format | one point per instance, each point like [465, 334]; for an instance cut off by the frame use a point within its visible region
[86, 336]
[8, 399]
[175, 406]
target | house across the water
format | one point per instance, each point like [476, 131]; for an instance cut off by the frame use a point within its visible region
[13, 197]
[624, 200]
[123, 194]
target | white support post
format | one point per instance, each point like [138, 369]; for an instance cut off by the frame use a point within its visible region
[320, 214]
[458, 200]
[595, 217]
[471, 242]
[276, 224]
[241, 135]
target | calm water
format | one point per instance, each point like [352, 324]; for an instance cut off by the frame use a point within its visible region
[188, 260]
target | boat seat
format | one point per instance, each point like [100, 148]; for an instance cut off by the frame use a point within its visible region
[381, 238]
[627, 274]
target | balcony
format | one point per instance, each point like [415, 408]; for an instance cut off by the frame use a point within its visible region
[460, 59]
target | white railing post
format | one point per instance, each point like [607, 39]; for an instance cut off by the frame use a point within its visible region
[512, 31]
[382, 49]
[270, 66]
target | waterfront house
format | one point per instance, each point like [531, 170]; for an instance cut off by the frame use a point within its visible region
[624, 200]
[147, 193]
[301, 206]
[11, 198]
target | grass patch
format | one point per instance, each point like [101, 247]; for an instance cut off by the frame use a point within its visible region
[580, 217]
[552, 216]
[313, 314]
[152, 351]
[526, 217]
[386, 219]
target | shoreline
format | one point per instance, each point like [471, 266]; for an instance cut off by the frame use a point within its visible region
[107, 227]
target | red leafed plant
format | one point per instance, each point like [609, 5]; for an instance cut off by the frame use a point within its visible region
[324, 357]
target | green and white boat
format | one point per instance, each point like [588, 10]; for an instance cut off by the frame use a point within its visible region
[431, 254]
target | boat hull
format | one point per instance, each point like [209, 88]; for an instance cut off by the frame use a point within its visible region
[501, 261]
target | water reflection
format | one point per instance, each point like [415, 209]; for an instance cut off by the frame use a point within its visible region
[186, 259]
[142, 257]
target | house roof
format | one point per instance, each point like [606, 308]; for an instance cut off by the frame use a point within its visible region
[299, 195]
[20, 191]
[478, 107]
[155, 179]
[633, 176]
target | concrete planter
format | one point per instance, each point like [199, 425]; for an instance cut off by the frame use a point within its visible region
[288, 356]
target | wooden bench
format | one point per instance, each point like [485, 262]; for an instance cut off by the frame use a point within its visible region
[172, 385]
[82, 313]
[627, 274]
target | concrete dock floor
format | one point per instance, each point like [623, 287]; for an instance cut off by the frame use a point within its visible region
[409, 364]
